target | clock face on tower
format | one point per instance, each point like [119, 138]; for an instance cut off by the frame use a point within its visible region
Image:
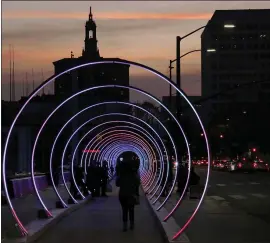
[90, 34]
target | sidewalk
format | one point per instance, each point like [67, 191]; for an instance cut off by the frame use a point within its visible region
[218, 222]
[101, 221]
[26, 208]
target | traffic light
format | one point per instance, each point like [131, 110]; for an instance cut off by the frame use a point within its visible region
[254, 150]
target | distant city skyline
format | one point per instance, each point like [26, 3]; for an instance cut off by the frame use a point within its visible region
[42, 32]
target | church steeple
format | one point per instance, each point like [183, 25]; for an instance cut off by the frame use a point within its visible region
[90, 42]
[90, 14]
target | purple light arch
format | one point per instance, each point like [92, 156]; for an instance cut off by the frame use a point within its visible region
[125, 62]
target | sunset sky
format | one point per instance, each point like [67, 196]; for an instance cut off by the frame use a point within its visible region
[141, 31]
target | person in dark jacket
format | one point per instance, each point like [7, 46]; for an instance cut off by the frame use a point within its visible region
[104, 178]
[91, 178]
[128, 181]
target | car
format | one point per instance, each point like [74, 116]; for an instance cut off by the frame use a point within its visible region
[219, 164]
[242, 165]
[260, 165]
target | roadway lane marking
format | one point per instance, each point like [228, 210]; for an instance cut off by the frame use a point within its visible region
[254, 183]
[259, 195]
[238, 197]
[238, 184]
[221, 184]
[218, 198]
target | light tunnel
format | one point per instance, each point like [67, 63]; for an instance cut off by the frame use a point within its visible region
[115, 145]
[98, 146]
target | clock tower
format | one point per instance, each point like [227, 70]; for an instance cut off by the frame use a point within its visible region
[90, 42]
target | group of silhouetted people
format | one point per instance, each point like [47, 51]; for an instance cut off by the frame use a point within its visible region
[95, 180]
[127, 179]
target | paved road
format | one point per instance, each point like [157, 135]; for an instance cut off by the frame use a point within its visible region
[100, 221]
[236, 209]
[247, 192]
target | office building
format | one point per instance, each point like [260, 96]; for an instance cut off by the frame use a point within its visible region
[238, 44]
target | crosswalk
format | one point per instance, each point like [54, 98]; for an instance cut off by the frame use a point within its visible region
[251, 183]
[239, 196]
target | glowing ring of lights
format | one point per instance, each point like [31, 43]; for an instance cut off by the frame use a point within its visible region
[125, 62]
[72, 173]
[148, 138]
[110, 149]
[116, 136]
[161, 157]
[103, 147]
[63, 155]
[112, 154]
[114, 148]
[113, 102]
[116, 152]
[90, 147]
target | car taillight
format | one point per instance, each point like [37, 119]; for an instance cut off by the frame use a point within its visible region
[239, 165]
[255, 165]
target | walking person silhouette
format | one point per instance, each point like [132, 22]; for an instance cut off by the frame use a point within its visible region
[128, 180]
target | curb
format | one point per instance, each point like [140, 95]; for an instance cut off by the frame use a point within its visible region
[170, 227]
[37, 228]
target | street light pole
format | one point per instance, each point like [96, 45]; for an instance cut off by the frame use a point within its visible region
[170, 67]
[178, 77]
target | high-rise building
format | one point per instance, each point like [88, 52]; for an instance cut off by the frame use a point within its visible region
[238, 44]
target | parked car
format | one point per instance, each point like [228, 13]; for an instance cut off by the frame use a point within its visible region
[242, 165]
[260, 165]
[219, 164]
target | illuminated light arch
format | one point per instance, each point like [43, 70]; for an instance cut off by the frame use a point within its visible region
[161, 171]
[160, 154]
[88, 146]
[112, 154]
[118, 149]
[125, 62]
[103, 134]
[72, 173]
[126, 139]
[151, 158]
[119, 114]
[89, 107]
[62, 171]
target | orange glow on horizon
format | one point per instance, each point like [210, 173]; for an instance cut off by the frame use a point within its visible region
[104, 15]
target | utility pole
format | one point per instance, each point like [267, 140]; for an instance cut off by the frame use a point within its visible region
[13, 75]
[171, 67]
[10, 82]
[26, 83]
[178, 77]
[33, 81]
[23, 88]
[42, 77]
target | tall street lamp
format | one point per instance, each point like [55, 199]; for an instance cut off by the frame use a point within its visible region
[178, 72]
[171, 67]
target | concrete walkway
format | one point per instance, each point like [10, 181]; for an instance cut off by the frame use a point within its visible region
[27, 208]
[101, 221]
